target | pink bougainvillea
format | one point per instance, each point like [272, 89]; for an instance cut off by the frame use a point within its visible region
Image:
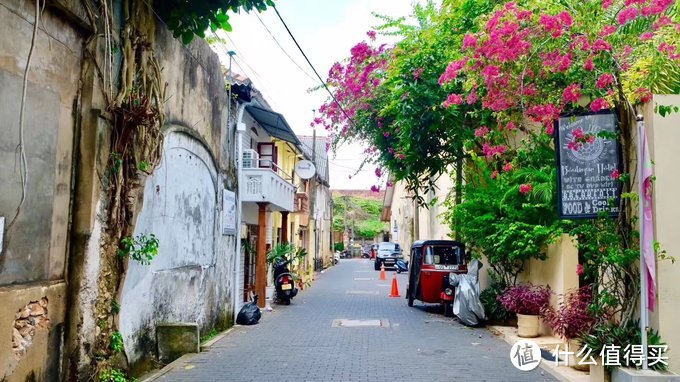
[482, 131]
[453, 99]
[599, 104]
[507, 167]
[525, 188]
[605, 81]
[627, 15]
[378, 172]
[615, 174]
[494, 175]
[572, 93]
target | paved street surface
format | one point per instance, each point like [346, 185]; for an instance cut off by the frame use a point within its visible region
[300, 343]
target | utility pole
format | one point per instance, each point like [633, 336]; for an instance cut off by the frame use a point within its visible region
[312, 209]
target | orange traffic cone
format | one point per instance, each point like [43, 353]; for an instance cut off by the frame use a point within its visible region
[382, 272]
[395, 288]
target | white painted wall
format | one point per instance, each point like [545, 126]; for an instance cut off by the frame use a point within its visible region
[189, 280]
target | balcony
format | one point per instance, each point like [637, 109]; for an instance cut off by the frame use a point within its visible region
[301, 203]
[262, 184]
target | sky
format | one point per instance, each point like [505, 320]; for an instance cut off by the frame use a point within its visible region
[326, 30]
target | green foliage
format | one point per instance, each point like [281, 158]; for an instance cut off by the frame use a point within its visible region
[339, 246]
[189, 18]
[116, 342]
[494, 310]
[141, 249]
[609, 334]
[287, 250]
[664, 110]
[496, 219]
[144, 167]
[115, 306]
[113, 375]
[361, 215]
[210, 335]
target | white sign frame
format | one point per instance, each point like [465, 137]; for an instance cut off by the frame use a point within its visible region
[228, 212]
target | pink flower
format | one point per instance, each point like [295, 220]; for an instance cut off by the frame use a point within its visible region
[469, 41]
[605, 81]
[494, 175]
[566, 19]
[578, 133]
[386, 134]
[507, 167]
[615, 174]
[482, 131]
[525, 188]
[644, 94]
[627, 15]
[579, 269]
[417, 73]
[453, 99]
[607, 3]
[378, 172]
[574, 146]
[600, 45]
[607, 30]
[599, 104]
[472, 97]
[452, 71]
[510, 126]
[375, 188]
[389, 184]
[550, 129]
[552, 25]
[646, 36]
[371, 35]
[401, 156]
[588, 65]
[490, 71]
[572, 93]
[662, 22]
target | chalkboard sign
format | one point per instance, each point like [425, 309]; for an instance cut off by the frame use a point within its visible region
[585, 163]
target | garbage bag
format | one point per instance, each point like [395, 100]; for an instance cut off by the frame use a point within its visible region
[467, 305]
[250, 314]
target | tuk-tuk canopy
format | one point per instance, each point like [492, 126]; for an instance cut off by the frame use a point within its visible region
[421, 243]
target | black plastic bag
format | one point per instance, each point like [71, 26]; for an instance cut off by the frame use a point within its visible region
[250, 314]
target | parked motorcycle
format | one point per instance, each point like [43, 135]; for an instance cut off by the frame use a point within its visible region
[284, 282]
[401, 266]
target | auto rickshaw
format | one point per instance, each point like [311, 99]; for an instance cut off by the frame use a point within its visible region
[431, 263]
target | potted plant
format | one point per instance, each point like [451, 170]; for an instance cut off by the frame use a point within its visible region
[527, 301]
[572, 319]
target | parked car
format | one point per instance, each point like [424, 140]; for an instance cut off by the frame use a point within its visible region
[388, 254]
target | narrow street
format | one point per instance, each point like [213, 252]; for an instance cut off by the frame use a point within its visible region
[301, 343]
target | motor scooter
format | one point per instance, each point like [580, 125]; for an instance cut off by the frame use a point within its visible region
[284, 282]
[401, 266]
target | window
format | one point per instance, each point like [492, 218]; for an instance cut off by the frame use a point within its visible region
[443, 255]
[268, 154]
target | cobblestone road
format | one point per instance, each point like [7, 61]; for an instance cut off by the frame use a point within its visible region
[299, 343]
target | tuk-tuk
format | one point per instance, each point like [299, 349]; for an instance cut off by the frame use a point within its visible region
[431, 263]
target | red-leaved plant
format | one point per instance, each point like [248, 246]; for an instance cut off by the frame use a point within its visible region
[572, 319]
[525, 299]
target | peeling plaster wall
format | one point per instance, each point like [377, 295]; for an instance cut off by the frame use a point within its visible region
[194, 262]
[34, 254]
[191, 279]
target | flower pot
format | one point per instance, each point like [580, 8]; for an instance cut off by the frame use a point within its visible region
[575, 346]
[598, 373]
[527, 325]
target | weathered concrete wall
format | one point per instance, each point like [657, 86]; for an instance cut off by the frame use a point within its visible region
[664, 139]
[35, 249]
[194, 261]
[34, 255]
[182, 207]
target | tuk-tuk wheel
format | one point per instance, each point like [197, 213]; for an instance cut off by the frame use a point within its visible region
[410, 297]
[448, 309]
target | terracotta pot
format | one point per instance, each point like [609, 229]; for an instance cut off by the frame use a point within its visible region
[527, 325]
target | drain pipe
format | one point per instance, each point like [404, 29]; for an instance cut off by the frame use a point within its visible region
[238, 148]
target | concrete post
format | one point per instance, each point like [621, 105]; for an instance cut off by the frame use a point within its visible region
[261, 259]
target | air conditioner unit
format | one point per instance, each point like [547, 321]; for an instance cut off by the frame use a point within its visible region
[250, 158]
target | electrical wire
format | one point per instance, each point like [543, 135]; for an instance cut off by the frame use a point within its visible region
[314, 69]
[284, 50]
[23, 165]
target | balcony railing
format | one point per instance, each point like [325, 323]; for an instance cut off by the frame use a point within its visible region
[262, 184]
